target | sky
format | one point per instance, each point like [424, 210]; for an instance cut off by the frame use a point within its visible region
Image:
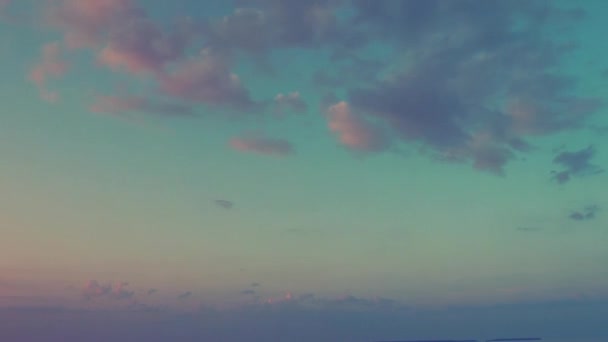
[282, 170]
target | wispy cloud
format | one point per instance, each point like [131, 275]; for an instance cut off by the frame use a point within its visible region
[262, 145]
[225, 204]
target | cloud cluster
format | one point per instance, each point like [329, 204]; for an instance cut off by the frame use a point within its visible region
[462, 81]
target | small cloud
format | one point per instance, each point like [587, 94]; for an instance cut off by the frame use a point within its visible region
[588, 213]
[93, 289]
[248, 292]
[291, 101]
[151, 291]
[528, 229]
[224, 203]
[262, 145]
[576, 163]
[51, 65]
[255, 284]
[184, 295]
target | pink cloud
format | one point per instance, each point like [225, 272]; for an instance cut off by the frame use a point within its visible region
[51, 65]
[117, 105]
[262, 145]
[206, 80]
[353, 131]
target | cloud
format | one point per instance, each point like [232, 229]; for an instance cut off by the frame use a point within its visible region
[353, 131]
[290, 102]
[119, 105]
[139, 46]
[151, 292]
[278, 24]
[588, 213]
[528, 229]
[248, 292]
[51, 65]
[206, 80]
[576, 163]
[86, 23]
[184, 295]
[478, 75]
[93, 290]
[262, 145]
[224, 203]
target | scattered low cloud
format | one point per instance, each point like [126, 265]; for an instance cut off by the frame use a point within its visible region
[94, 290]
[262, 145]
[225, 204]
[576, 163]
[151, 292]
[587, 213]
[184, 295]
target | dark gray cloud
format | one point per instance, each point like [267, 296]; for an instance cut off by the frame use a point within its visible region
[151, 291]
[576, 163]
[248, 292]
[587, 213]
[222, 203]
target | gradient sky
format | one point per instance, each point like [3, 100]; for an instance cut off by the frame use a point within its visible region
[285, 170]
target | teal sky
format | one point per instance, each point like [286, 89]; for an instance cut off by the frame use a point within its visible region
[432, 154]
